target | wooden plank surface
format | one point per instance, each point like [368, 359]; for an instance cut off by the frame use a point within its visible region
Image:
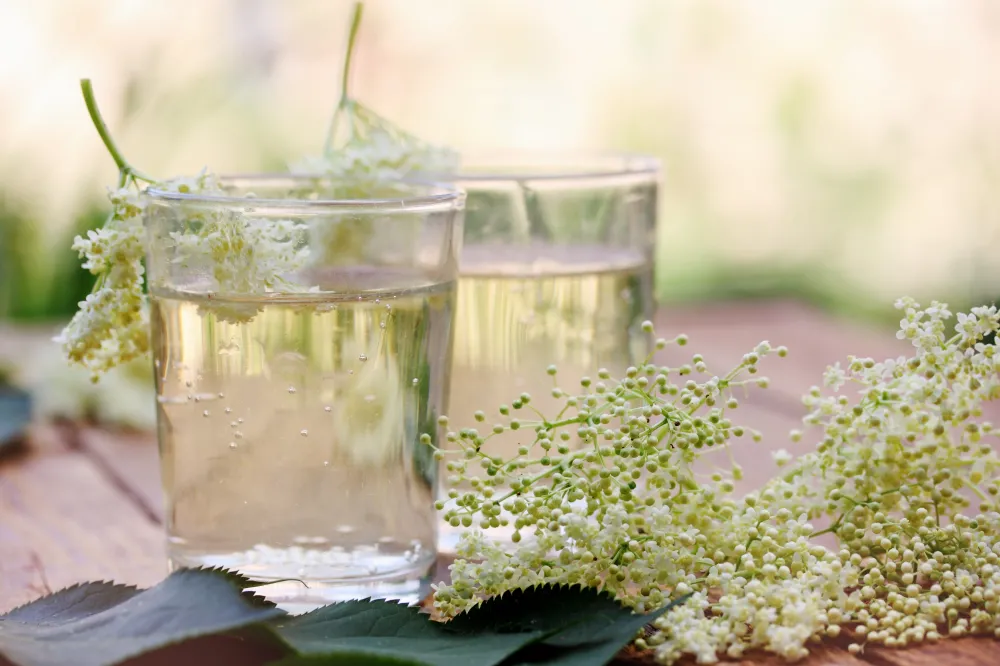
[85, 503]
[62, 522]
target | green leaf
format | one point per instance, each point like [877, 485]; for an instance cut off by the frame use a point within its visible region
[71, 603]
[395, 632]
[346, 658]
[582, 626]
[99, 624]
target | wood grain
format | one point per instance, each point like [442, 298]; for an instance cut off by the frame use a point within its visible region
[131, 459]
[973, 651]
[62, 522]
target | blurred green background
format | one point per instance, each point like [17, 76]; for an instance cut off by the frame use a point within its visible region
[844, 152]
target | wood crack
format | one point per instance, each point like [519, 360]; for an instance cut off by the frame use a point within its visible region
[71, 434]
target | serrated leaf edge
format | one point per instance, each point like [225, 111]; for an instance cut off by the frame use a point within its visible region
[117, 586]
[371, 601]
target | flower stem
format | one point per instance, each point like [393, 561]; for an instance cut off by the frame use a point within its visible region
[345, 99]
[351, 39]
[126, 169]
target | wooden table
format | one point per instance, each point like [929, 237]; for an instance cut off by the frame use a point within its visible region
[83, 503]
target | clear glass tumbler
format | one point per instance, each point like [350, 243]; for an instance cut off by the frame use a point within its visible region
[302, 344]
[556, 268]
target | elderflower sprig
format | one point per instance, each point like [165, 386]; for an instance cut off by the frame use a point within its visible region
[112, 325]
[364, 155]
[610, 464]
[243, 255]
[367, 147]
[904, 477]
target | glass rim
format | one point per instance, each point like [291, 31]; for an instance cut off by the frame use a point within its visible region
[551, 166]
[440, 196]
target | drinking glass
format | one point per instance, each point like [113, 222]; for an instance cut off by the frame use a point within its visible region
[556, 268]
[302, 341]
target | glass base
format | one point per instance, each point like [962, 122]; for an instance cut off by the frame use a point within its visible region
[295, 598]
[302, 593]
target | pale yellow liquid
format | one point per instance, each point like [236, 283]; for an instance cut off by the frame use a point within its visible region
[290, 443]
[521, 309]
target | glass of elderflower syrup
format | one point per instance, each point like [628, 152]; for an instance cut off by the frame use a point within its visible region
[302, 337]
[556, 268]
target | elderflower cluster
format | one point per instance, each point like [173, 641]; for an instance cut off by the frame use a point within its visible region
[903, 477]
[112, 324]
[243, 255]
[378, 157]
[373, 160]
[376, 151]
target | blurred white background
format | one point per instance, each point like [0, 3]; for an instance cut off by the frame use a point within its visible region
[844, 151]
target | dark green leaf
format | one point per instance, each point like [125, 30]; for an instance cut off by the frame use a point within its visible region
[346, 658]
[99, 624]
[396, 632]
[71, 603]
[582, 626]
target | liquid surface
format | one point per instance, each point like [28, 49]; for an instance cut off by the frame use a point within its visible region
[521, 309]
[290, 442]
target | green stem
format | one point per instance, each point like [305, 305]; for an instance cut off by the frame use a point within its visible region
[831, 529]
[345, 76]
[351, 39]
[126, 169]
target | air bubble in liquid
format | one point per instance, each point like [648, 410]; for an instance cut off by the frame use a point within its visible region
[362, 358]
[205, 413]
[232, 445]
[291, 389]
[304, 433]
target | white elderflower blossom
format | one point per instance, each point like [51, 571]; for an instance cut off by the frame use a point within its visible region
[112, 325]
[378, 155]
[244, 255]
[904, 477]
[781, 457]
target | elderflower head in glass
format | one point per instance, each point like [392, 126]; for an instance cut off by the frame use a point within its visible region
[556, 268]
[301, 336]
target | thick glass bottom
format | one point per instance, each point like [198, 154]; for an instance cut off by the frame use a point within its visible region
[300, 580]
